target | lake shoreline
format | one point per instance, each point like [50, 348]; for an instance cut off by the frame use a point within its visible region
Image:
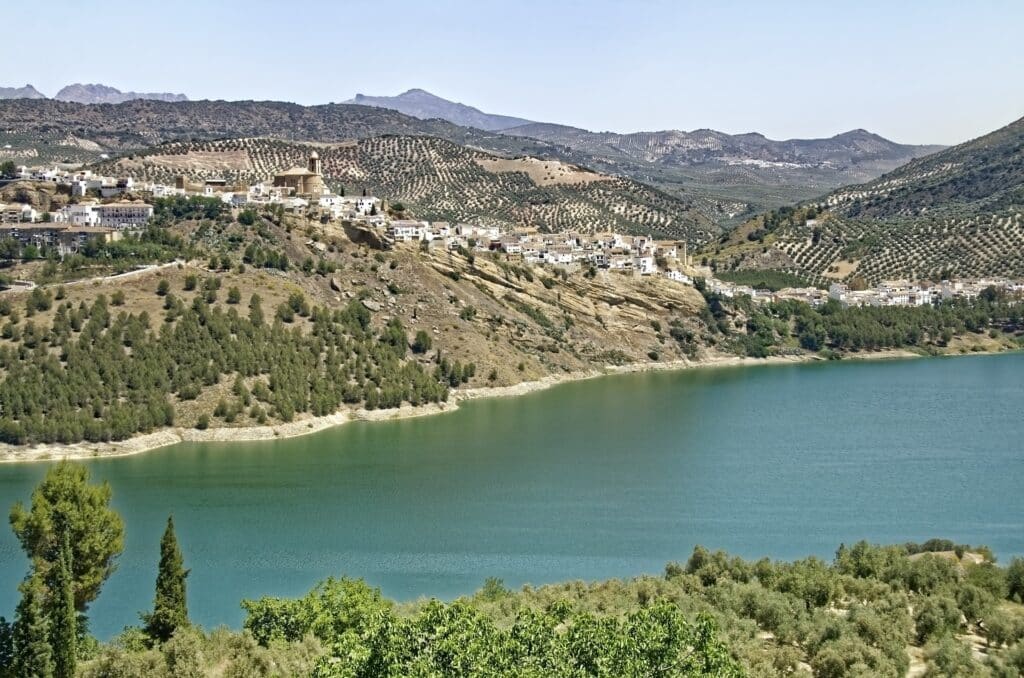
[309, 425]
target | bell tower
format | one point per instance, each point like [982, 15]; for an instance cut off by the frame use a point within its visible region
[314, 163]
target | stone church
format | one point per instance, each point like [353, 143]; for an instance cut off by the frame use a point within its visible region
[307, 181]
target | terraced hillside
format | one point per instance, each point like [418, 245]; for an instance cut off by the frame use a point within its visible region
[958, 213]
[983, 175]
[438, 179]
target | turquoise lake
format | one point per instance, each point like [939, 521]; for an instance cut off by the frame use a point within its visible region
[609, 477]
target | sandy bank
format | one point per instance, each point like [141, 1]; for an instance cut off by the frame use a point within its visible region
[308, 425]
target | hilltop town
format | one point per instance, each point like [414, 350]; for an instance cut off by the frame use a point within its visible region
[104, 208]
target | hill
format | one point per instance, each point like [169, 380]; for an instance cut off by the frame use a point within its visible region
[724, 189]
[104, 94]
[956, 213]
[440, 180]
[985, 174]
[213, 320]
[452, 320]
[422, 104]
[858, 150]
[26, 92]
[750, 170]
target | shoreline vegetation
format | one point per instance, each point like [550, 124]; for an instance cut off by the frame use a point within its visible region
[314, 424]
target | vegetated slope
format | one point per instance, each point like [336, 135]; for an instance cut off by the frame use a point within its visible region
[957, 213]
[725, 191]
[985, 174]
[337, 325]
[440, 180]
[104, 94]
[53, 131]
[857, 150]
[141, 123]
[931, 609]
[422, 104]
[748, 168]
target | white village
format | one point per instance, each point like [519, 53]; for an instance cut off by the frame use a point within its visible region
[106, 208]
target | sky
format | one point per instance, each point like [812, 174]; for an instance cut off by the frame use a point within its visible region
[915, 71]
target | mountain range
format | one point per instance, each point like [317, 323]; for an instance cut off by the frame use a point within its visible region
[88, 94]
[422, 104]
[734, 175]
[743, 172]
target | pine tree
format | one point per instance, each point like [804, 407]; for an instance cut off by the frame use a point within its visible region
[170, 610]
[63, 616]
[33, 657]
[6, 648]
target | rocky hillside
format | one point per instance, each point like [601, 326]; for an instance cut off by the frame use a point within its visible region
[403, 325]
[422, 104]
[26, 92]
[957, 213]
[438, 179]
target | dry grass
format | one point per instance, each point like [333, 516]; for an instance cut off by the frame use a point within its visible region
[542, 172]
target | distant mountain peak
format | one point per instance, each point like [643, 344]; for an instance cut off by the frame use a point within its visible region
[26, 92]
[96, 93]
[420, 103]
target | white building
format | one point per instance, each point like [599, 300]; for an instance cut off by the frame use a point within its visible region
[406, 230]
[644, 265]
[678, 276]
[82, 214]
[17, 213]
[124, 215]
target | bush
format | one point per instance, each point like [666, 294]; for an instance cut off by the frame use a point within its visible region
[422, 343]
[936, 615]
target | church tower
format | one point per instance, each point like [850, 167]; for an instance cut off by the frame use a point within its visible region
[314, 163]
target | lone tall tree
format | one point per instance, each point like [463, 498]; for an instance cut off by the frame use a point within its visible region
[170, 610]
[65, 502]
[63, 617]
[32, 653]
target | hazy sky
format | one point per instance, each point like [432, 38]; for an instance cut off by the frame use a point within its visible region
[915, 71]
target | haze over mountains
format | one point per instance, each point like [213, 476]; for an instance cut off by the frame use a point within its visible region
[668, 147]
[26, 92]
[422, 104]
[742, 171]
[88, 94]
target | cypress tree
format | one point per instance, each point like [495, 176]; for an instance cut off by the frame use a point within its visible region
[33, 656]
[63, 615]
[170, 610]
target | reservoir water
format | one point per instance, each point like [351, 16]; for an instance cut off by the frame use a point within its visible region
[603, 478]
